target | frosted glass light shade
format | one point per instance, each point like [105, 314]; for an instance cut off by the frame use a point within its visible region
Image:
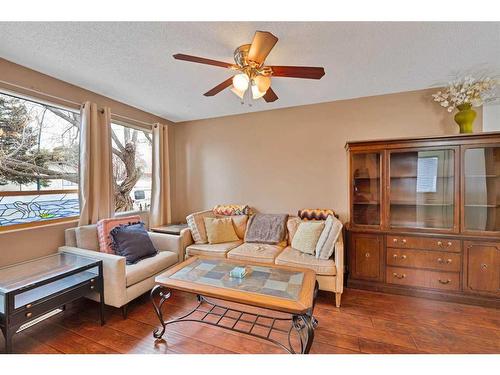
[237, 92]
[262, 82]
[256, 93]
[240, 82]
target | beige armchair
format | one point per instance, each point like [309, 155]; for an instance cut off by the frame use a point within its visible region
[122, 282]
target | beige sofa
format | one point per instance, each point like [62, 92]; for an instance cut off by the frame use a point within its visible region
[122, 282]
[329, 273]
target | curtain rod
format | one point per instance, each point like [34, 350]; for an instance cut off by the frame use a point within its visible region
[73, 104]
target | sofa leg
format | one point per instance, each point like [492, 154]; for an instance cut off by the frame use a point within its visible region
[124, 309]
[337, 299]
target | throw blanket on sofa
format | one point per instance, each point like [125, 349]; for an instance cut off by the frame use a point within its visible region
[266, 228]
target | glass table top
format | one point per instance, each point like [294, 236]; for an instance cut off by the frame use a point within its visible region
[270, 281]
[37, 270]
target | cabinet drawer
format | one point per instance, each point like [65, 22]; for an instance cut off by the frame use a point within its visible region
[366, 256]
[425, 243]
[423, 278]
[436, 260]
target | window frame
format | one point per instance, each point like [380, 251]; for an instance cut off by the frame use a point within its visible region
[40, 223]
[120, 122]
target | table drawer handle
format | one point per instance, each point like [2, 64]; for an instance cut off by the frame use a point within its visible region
[399, 276]
[29, 305]
[92, 287]
[444, 281]
[28, 315]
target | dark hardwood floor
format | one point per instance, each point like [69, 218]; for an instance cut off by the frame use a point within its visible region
[367, 322]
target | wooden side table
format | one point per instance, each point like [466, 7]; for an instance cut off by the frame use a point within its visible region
[174, 229]
[34, 290]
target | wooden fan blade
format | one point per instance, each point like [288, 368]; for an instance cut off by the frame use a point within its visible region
[221, 86]
[309, 72]
[262, 43]
[202, 60]
[270, 96]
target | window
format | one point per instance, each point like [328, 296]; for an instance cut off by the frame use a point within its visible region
[38, 162]
[132, 161]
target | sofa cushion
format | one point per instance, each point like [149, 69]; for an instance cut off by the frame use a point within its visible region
[295, 258]
[307, 235]
[217, 250]
[292, 224]
[148, 267]
[197, 225]
[220, 230]
[328, 238]
[86, 237]
[239, 224]
[105, 226]
[256, 252]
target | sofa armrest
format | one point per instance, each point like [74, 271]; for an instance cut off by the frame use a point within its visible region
[187, 239]
[165, 242]
[339, 264]
[113, 273]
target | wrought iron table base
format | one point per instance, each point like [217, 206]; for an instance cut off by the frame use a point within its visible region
[303, 324]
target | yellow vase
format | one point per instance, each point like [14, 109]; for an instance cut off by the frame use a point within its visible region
[465, 117]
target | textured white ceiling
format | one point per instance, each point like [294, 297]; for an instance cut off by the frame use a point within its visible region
[132, 62]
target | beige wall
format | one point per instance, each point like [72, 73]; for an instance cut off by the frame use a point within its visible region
[282, 160]
[20, 245]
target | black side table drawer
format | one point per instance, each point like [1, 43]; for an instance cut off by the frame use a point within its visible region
[28, 312]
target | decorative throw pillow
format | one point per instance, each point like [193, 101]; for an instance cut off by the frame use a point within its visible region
[220, 230]
[315, 213]
[328, 238]
[197, 225]
[231, 209]
[291, 225]
[132, 242]
[307, 235]
[104, 228]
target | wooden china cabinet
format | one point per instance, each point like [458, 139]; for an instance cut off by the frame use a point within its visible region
[424, 217]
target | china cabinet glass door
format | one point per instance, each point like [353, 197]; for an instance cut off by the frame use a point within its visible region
[422, 189]
[481, 210]
[366, 188]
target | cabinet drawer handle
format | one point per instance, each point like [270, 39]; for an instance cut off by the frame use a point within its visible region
[448, 261]
[92, 287]
[484, 266]
[92, 280]
[444, 281]
[449, 243]
[367, 255]
[440, 260]
[28, 314]
[394, 240]
[403, 256]
[440, 243]
[28, 306]
[404, 241]
[398, 276]
[395, 256]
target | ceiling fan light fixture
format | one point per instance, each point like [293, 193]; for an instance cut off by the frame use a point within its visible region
[262, 82]
[241, 81]
[240, 94]
[256, 93]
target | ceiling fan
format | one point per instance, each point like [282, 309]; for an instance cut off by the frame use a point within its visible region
[249, 62]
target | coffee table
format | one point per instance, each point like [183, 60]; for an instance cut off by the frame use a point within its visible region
[289, 291]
